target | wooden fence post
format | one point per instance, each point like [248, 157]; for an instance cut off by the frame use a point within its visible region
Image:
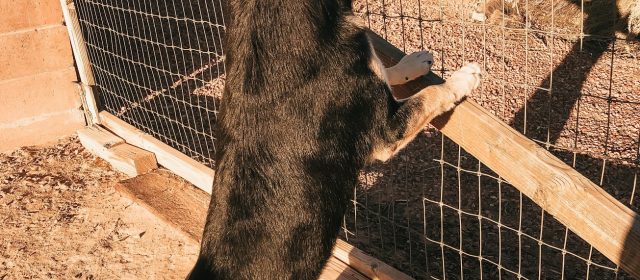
[82, 62]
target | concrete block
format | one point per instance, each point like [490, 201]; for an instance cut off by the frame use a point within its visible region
[39, 94]
[27, 53]
[24, 14]
[40, 130]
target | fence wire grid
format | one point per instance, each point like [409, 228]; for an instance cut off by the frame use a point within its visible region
[434, 211]
[159, 65]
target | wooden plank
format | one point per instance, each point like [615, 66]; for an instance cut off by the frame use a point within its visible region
[28, 53]
[336, 269]
[180, 204]
[367, 265]
[77, 43]
[97, 139]
[123, 157]
[83, 63]
[189, 169]
[578, 203]
[172, 199]
[131, 160]
[572, 199]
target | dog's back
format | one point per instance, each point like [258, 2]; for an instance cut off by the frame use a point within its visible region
[289, 156]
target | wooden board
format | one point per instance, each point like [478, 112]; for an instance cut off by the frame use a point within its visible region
[578, 203]
[185, 207]
[367, 265]
[83, 63]
[125, 158]
[336, 269]
[194, 172]
[170, 198]
[77, 43]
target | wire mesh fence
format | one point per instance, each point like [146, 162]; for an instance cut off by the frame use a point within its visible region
[434, 211]
[159, 65]
[569, 90]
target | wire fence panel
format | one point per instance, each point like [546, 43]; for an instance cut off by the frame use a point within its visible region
[556, 71]
[159, 65]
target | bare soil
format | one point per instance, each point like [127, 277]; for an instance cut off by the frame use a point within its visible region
[62, 219]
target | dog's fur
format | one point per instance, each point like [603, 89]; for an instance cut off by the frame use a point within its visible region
[305, 107]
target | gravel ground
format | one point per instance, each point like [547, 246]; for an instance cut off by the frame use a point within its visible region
[62, 219]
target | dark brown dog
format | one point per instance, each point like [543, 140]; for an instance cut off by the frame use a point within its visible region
[306, 105]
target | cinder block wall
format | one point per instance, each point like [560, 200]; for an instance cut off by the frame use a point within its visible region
[39, 100]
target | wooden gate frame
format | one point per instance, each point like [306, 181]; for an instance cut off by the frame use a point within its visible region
[585, 208]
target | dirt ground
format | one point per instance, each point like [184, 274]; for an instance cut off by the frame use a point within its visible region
[62, 219]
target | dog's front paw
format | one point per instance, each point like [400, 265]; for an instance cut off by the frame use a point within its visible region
[465, 80]
[414, 65]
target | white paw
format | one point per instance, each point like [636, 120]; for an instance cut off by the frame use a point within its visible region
[414, 65]
[465, 80]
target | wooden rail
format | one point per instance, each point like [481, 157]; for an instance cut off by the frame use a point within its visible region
[123, 157]
[574, 200]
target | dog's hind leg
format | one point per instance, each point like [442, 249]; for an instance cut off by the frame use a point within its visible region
[417, 111]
